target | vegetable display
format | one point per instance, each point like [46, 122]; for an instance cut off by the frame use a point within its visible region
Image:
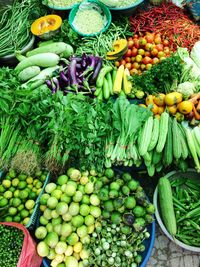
[10, 245]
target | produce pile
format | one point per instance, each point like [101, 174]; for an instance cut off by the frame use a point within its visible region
[10, 246]
[86, 218]
[126, 96]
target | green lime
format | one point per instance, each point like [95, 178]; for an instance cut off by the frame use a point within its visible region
[22, 177]
[2, 189]
[12, 173]
[3, 202]
[43, 178]
[22, 185]
[8, 219]
[116, 217]
[24, 213]
[38, 173]
[44, 198]
[65, 198]
[43, 207]
[57, 193]
[21, 207]
[29, 180]
[85, 199]
[43, 221]
[27, 189]
[12, 189]
[16, 202]
[15, 182]
[23, 194]
[30, 186]
[114, 186]
[52, 202]
[34, 189]
[106, 214]
[108, 205]
[84, 210]
[29, 204]
[7, 177]
[8, 194]
[77, 221]
[16, 193]
[32, 195]
[16, 218]
[6, 183]
[133, 185]
[130, 202]
[63, 179]
[26, 221]
[38, 185]
[12, 211]
[35, 182]
[125, 190]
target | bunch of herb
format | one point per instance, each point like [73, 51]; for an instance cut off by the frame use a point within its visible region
[161, 77]
[127, 122]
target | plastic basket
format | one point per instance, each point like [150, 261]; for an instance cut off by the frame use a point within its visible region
[33, 218]
[105, 10]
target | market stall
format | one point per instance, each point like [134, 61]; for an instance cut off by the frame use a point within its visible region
[99, 130]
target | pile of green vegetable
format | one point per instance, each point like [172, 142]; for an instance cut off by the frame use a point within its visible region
[11, 241]
[180, 206]
[18, 196]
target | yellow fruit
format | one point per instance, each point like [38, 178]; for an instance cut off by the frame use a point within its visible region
[149, 100]
[159, 100]
[185, 107]
[161, 109]
[142, 105]
[173, 98]
[172, 109]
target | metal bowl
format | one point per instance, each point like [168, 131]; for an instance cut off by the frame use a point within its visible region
[191, 173]
[11, 59]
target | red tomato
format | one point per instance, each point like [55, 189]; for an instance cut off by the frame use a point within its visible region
[135, 36]
[166, 50]
[161, 54]
[117, 63]
[148, 47]
[130, 43]
[128, 66]
[122, 62]
[165, 42]
[155, 60]
[130, 38]
[138, 58]
[146, 60]
[157, 40]
[135, 65]
[159, 47]
[133, 71]
[132, 59]
[128, 53]
[154, 52]
[148, 66]
[136, 43]
[141, 52]
[149, 37]
[127, 59]
[142, 41]
[147, 54]
[142, 66]
[134, 52]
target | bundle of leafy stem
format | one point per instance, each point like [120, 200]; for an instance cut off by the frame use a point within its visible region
[77, 129]
[161, 78]
[128, 120]
[98, 45]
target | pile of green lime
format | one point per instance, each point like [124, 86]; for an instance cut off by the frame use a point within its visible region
[18, 194]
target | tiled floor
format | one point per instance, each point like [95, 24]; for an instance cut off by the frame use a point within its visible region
[167, 254]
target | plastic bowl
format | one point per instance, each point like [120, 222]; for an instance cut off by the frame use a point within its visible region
[191, 173]
[128, 9]
[104, 8]
[61, 8]
[11, 59]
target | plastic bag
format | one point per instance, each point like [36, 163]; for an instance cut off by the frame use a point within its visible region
[29, 256]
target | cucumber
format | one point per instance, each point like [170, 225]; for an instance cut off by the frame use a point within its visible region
[166, 205]
[168, 150]
[162, 132]
[56, 48]
[146, 136]
[40, 78]
[42, 60]
[106, 89]
[28, 73]
[110, 83]
[177, 151]
[155, 134]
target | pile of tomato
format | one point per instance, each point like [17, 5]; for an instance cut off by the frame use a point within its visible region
[144, 51]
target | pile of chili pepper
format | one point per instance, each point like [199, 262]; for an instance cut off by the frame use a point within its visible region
[170, 21]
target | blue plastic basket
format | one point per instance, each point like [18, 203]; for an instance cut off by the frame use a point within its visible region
[34, 216]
